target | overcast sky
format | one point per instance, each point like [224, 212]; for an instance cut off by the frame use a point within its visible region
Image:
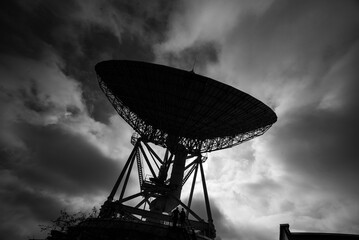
[62, 145]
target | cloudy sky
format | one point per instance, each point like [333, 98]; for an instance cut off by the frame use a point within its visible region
[62, 145]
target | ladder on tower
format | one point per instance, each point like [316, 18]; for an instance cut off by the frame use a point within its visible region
[139, 167]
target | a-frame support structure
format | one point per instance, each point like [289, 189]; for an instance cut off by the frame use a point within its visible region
[139, 206]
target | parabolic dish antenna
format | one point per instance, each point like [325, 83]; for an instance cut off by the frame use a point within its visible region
[166, 106]
[188, 115]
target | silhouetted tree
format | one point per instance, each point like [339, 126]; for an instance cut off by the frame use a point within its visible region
[66, 220]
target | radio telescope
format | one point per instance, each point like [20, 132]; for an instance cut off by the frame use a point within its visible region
[187, 115]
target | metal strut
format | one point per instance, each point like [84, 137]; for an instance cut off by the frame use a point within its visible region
[139, 168]
[117, 184]
[127, 177]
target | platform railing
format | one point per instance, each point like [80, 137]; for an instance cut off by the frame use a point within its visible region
[160, 218]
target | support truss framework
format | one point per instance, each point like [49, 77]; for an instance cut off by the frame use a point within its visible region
[154, 187]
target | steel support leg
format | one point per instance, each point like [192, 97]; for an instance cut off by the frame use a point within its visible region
[127, 176]
[117, 184]
[192, 187]
[208, 207]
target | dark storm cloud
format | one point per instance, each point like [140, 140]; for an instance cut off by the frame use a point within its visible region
[23, 207]
[83, 34]
[290, 42]
[65, 160]
[197, 57]
[38, 180]
[70, 30]
[322, 146]
[319, 140]
[263, 185]
[16, 25]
